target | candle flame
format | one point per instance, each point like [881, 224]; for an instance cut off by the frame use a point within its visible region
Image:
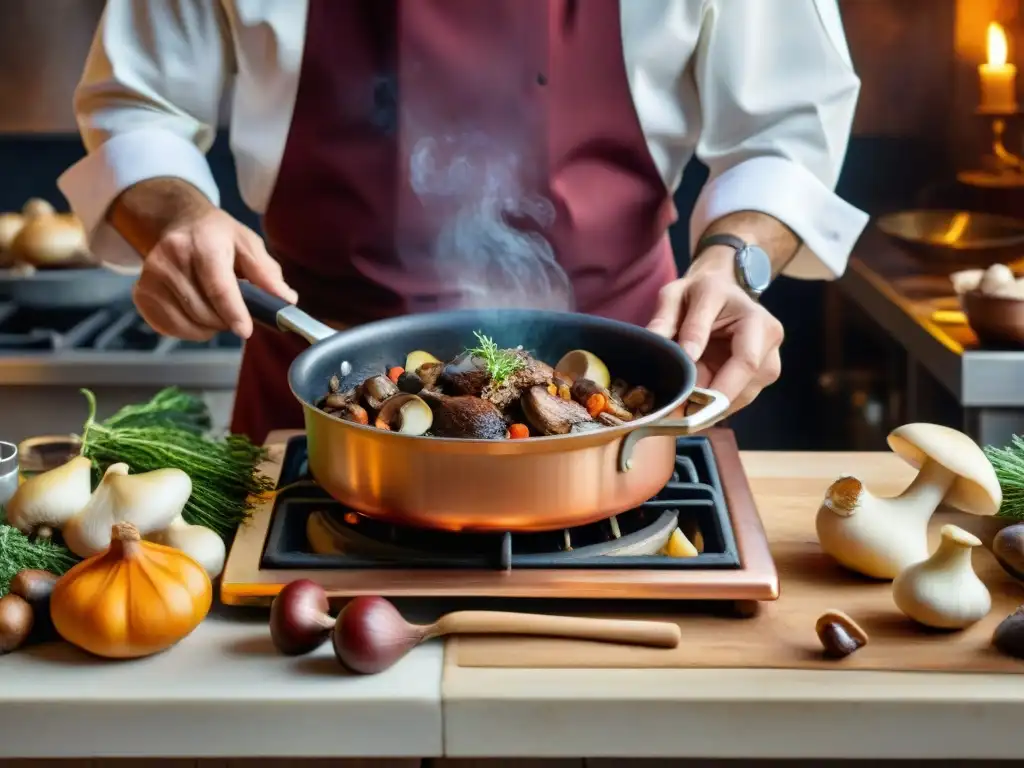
[996, 46]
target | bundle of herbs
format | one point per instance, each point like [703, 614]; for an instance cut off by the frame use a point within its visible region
[171, 431]
[18, 552]
[1008, 463]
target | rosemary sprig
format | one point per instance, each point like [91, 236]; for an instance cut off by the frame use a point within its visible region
[1009, 466]
[500, 363]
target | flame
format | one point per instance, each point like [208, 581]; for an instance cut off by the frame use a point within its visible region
[996, 46]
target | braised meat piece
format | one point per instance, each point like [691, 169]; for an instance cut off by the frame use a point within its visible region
[530, 373]
[467, 374]
[465, 416]
[603, 420]
[550, 414]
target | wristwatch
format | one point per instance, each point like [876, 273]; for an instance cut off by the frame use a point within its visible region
[753, 267]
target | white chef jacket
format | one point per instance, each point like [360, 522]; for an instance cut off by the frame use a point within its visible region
[762, 91]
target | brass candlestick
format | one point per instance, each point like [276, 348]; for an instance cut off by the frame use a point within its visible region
[1004, 167]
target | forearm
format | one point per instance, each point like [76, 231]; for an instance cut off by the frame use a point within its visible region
[778, 241]
[145, 211]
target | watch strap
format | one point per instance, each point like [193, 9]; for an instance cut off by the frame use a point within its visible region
[720, 238]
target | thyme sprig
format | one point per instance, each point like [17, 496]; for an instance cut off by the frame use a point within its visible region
[1008, 463]
[500, 363]
[169, 431]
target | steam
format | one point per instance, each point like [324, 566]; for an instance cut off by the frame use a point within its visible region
[474, 187]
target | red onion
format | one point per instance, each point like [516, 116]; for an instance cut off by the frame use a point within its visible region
[299, 618]
[371, 635]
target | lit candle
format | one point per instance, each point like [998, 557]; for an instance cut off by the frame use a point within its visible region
[998, 78]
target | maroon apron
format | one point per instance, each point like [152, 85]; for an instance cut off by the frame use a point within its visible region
[448, 153]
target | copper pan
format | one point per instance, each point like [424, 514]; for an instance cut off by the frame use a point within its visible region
[542, 483]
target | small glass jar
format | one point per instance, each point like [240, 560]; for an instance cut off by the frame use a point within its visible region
[8, 471]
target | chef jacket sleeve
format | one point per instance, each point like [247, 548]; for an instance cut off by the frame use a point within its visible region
[147, 107]
[777, 94]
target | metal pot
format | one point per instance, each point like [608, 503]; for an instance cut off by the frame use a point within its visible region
[536, 484]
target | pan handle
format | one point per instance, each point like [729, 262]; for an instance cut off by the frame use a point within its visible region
[714, 408]
[276, 313]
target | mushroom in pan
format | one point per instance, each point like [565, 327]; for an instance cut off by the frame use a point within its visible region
[405, 414]
[881, 537]
[377, 390]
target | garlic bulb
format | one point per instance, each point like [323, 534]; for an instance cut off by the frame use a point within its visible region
[50, 499]
[197, 541]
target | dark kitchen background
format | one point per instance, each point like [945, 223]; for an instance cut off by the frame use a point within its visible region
[844, 380]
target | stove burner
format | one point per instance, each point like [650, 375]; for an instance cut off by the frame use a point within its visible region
[693, 500]
[99, 330]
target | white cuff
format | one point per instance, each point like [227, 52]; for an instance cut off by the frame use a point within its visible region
[95, 181]
[826, 224]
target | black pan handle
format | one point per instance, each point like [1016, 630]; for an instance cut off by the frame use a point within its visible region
[262, 305]
[276, 313]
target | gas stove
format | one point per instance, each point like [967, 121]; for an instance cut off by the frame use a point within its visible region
[48, 355]
[298, 531]
[95, 330]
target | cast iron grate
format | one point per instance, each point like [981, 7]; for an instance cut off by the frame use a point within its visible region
[117, 328]
[693, 499]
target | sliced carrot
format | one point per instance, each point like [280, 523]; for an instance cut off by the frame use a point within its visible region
[596, 405]
[518, 431]
[395, 372]
[381, 424]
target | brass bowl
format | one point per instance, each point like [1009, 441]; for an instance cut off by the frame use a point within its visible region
[995, 320]
[949, 240]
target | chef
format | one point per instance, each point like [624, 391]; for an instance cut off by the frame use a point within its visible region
[412, 155]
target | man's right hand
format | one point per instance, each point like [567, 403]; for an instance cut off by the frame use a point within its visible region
[188, 288]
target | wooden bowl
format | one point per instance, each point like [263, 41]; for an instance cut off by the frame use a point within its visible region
[995, 320]
[945, 240]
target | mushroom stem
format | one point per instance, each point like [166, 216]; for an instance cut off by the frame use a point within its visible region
[954, 549]
[920, 498]
[928, 490]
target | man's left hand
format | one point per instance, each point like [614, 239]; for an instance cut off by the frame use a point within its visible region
[732, 338]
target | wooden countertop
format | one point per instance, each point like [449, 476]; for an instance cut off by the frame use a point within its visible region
[224, 693]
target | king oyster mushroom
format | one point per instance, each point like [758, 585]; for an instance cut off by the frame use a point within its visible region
[405, 414]
[881, 537]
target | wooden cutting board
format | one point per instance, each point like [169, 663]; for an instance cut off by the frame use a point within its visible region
[788, 488]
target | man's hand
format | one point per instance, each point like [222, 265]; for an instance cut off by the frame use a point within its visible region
[733, 339]
[188, 288]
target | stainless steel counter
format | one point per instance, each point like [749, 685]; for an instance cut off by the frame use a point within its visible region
[39, 394]
[919, 311]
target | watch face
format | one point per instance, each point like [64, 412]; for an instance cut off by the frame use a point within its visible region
[756, 267]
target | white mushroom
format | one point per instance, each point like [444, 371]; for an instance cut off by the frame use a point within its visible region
[966, 280]
[197, 541]
[406, 414]
[150, 501]
[881, 537]
[996, 277]
[944, 591]
[50, 499]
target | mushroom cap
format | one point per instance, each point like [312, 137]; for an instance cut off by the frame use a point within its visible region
[976, 489]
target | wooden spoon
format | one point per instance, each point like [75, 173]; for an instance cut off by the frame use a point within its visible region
[370, 634]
